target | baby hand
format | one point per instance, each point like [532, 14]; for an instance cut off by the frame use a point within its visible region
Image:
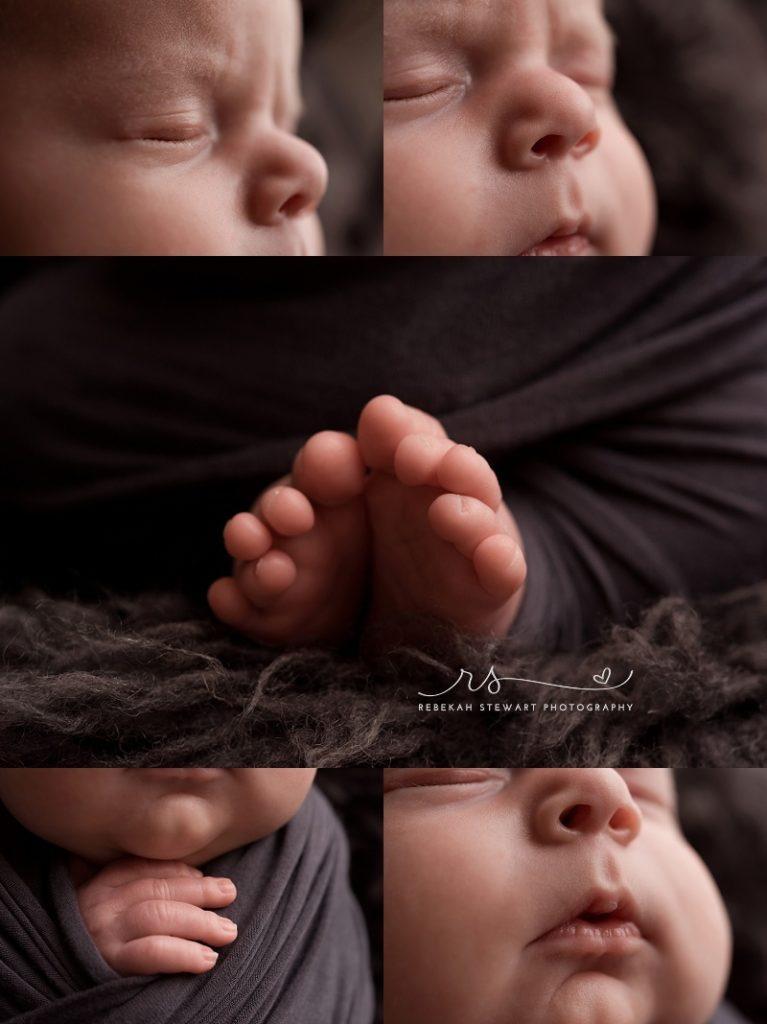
[146, 916]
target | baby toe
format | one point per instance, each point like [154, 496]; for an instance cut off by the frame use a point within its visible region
[268, 578]
[329, 468]
[287, 511]
[229, 604]
[246, 537]
[384, 422]
[500, 565]
[462, 521]
[464, 471]
[418, 457]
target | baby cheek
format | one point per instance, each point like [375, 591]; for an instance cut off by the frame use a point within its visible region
[633, 210]
[272, 797]
[432, 190]
[188, 214]
[699, 943]
[449, 923]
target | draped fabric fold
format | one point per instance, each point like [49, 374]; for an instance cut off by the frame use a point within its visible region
[301, 956]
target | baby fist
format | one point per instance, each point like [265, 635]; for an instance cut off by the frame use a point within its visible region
[147, 916]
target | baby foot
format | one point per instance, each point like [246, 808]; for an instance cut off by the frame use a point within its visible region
[301, 552]
[444, 542]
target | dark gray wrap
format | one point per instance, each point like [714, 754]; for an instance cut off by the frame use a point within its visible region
[301, 956]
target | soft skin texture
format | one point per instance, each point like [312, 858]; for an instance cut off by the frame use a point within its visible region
[501, 136]
[136, 835]
[154, 129]
[481, 863]
[189, 814]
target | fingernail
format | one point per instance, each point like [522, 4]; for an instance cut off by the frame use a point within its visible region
[228, 926]
[226, 888]
[211, 956]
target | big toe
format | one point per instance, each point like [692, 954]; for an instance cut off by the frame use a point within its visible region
[384, 422]
[329, 468]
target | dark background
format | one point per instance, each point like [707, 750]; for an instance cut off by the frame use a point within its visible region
[692, 84]
[724, 815]
[342, 91]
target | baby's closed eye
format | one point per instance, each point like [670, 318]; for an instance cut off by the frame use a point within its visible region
[185, 125]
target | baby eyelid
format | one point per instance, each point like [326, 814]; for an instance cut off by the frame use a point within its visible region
[423, 91]
[169, 140]
[424, 779]
[648, 796]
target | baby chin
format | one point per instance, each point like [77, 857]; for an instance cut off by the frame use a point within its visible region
[591, 997]
[175, 826]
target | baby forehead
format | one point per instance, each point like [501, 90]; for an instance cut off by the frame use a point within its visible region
[558, 15]
[83, 25]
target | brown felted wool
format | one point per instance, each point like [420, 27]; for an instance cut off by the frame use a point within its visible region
[153, 680]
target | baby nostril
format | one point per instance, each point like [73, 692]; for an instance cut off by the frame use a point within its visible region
[575, 817]
[588, 142]
[622, 820]
[549, 145]
[293, 206]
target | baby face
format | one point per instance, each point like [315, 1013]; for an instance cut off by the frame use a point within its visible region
[188, 814]
[155, 127]
[546, 896]
[501, 134]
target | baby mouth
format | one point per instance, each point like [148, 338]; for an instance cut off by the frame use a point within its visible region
[606, 925]
[570, 245]
[572, 237]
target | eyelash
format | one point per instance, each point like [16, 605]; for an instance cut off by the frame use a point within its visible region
[167, 141]
[424, 95]
[447, 778]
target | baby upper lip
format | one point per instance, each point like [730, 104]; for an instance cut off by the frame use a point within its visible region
[569, 225]
[573, 225]
[600, 907]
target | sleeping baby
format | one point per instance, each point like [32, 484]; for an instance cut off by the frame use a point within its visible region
[566, 896]
[230, 882]
[158, 127]
[501, 135]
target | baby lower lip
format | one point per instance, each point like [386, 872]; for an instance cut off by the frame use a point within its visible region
[568, 245]
[583, 937]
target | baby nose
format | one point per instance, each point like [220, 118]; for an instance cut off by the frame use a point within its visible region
[288, 179]
[550, 117]
[580, 802]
